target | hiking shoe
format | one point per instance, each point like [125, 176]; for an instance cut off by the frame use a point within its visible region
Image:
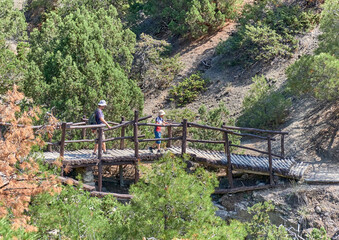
[94, 153]
[105, 152]
[150, 149]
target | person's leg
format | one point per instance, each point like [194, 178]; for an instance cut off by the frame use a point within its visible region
[158, 135]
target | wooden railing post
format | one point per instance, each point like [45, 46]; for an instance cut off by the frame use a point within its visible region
[122, 146]
[270, 159]
[100, 131]
[83, 133]
[136, 144]
[122, 141]
[184, 136]
[62, 145]
[282, 146]
[169, 142]
[229, 162]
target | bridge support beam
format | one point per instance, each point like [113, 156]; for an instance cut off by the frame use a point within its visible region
[229, 163]
[100, 131]
[136, 144]
[184, 136]
[270, 159]
[62, 145]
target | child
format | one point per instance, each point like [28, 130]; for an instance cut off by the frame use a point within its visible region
[157, 130]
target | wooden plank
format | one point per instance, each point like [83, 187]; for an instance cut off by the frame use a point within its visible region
[242, 189]
[224, 130]
[254, 130]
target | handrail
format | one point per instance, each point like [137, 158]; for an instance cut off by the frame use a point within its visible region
[159, 125]
[256, 150]
[109, 122]
[118, 126]
[33, 127]
[224, 130]
[255, 130]
[205, 141]
[121, 138]
[185, 139]
[160, 139]
[85, 126]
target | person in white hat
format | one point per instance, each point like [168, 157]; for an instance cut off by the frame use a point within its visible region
[157, 130]
[100, 119]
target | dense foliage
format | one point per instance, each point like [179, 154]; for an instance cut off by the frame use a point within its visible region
[152, 68]
[168, 203]
[80, 58]
[260, 227]
[12, 32]
[263, 107]
[7, 232]
[191, 17]
[318, 75]
[267, 29]
[188, 90]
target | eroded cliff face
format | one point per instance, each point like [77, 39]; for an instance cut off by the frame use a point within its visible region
[298, 207]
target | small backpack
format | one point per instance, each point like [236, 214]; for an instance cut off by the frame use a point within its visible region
[91, 120]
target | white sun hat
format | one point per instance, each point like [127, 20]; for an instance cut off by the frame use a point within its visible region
[161, 112]
[102, 103]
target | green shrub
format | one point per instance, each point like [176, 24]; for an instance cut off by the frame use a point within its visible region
[72, 213]
[318, 234]
[329, 24]
[263, 107]
[315, 75]
[188, 90]
[12, 30]
[318, 75]
[152, 67]
[168, 203]
[78, 59]
[7, 231]
[267, 29]
[191, 17]
[260, 227]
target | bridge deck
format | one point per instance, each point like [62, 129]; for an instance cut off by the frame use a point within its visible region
[287, 167]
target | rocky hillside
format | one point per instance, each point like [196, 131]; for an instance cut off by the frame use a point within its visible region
[312, 124]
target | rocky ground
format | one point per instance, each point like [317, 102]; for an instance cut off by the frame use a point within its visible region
[298, 207]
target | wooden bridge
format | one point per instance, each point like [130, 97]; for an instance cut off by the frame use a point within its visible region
[269, 164]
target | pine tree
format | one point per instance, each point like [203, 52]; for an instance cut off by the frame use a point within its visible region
[193, 17]
[169, 203]
[80, 58]
[12, 31]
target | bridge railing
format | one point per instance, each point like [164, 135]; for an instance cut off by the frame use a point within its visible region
[184, 138]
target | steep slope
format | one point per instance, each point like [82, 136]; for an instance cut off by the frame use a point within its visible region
[308, 118]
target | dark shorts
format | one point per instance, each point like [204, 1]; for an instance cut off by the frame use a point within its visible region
[157, 135]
